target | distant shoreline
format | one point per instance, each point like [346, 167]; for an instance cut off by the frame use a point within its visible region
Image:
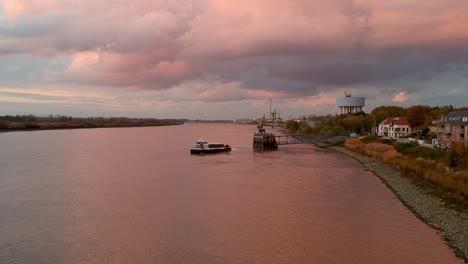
[431, 210]
[15, 127]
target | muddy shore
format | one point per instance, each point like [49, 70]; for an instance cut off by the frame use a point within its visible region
[452, 224]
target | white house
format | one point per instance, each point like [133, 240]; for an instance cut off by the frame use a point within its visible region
[394, 127]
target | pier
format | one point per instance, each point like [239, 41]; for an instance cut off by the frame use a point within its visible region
[263, 140]
[268, 141]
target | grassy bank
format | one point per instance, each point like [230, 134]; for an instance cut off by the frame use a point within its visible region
[429, 168]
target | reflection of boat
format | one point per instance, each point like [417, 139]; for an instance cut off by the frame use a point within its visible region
[202, 147]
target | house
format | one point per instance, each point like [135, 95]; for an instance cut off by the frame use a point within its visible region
[452, 128]
[434, 127]
[394, 127]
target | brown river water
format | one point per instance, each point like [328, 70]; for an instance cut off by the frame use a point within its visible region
[136, 195]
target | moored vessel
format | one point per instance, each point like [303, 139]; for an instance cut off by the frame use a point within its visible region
[203, 147]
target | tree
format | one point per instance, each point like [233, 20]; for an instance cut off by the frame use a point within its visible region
[437, 112]
[462, 109]
[425, 132]
[292, 125]
[305, 128]
[416, 116]
[382, 112]
[457, 156]
[354, 123]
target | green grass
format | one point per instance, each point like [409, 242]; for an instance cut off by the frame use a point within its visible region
[413, 151]
[376, 139]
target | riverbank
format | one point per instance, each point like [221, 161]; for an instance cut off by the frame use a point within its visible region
[452, 224]
[54, 126]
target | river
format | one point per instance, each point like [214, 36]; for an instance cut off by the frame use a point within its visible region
[136, 195]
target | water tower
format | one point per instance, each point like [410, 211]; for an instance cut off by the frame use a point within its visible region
[349, 104]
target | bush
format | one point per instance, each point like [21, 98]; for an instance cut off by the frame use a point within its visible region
[355, 145]
[402, 146]
[420, 152]
[305, 128]
[371, 138]
[31, 126]
[292, 125]
[4, 125]
[457, 156]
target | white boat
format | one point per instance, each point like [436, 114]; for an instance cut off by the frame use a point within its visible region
[202, 147]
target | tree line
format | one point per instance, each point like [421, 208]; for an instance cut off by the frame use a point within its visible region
[61, 121]
[419, 118]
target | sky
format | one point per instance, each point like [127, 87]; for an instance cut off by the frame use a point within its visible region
[225, 59]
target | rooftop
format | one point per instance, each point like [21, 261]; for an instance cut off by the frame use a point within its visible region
[455, 118]
[399, 121]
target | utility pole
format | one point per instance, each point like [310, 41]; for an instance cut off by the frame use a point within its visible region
[375, 125]
[270, 108]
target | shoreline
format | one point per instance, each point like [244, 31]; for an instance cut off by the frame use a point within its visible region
[452, 224]
[64, 126]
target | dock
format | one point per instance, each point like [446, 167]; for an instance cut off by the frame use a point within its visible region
[263, 141]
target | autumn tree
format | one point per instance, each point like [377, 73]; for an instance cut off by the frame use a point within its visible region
[457, 156]
[416, 116]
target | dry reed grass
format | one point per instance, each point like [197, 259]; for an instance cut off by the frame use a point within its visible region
[382, 151]
[456, 183]
[355, 144]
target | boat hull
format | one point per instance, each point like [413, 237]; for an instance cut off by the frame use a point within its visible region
[209, 150]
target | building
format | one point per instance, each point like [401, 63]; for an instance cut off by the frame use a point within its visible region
[434, 128]
[452, 128]
[349, 104]
[394, 127]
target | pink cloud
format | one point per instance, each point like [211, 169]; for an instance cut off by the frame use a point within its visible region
[84, 61]
[14, 9]
[411, 23]
[233, 91]
[400, 97]
[215, 90]
[162, 44]
[259, 27]
[317, 101]
[246, 27]
[171, 70]
[114, 69]
[243, 27]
